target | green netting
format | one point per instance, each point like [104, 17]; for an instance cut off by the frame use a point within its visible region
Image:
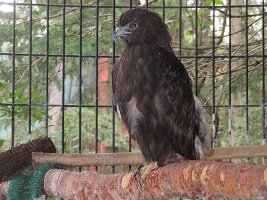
[29, 186]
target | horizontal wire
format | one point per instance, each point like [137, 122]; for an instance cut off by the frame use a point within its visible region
[110, 56]
[110, 106]
[120, 6]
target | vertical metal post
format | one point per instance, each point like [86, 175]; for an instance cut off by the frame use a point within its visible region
[180, 30]
[130, 139]
[63, 76]
[163, 10]
[263, 75]
[80, 74]
[47, 68]
[213, 76]
[247, 107]
[196, 47]
[113, 62]
[96, 63]
[13, 76]
[30, 71]
[230, 77]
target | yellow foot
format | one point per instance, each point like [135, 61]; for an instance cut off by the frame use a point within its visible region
[147, 169]
[144, 170]
[137, 171]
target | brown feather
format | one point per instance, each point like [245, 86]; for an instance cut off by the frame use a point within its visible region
[153, 92]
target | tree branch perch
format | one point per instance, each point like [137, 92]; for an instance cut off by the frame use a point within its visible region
[190, 178]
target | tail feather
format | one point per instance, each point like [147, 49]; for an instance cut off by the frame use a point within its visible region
[202, 139]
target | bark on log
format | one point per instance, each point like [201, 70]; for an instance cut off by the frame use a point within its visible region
[3, 188]
[191, 178]
[126, 158]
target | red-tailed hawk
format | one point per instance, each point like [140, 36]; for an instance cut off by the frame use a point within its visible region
[152, 92]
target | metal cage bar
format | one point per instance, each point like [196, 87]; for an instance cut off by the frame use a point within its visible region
[63, 77]
[80, 75]
[120, 6]
[230, 77]
[30, 72]
[213, 77]
[196, 47]
[113, 62]
[117, 56]
[47, 68]
[96, 92]
[247, 100]
[263, 75]
[13, 76]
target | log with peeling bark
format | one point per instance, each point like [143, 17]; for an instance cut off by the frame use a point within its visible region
[187, 178]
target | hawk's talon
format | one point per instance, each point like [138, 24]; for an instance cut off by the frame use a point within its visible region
[137, 171]
[146, 170]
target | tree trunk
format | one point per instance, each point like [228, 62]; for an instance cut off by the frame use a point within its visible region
[55, 97]
[237, 38]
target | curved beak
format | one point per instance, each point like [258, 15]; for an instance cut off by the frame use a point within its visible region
[115, 34]
[119, 32]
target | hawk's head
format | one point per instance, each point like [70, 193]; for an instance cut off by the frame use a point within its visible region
[142, 26]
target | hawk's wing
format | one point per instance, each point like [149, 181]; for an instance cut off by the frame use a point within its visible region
[114, 78]
[178, 89]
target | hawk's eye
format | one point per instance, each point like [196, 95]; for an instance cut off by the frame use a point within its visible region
[132, 25]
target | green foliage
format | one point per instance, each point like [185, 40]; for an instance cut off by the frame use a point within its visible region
[2, 142]
[88, 129]
[217, 2]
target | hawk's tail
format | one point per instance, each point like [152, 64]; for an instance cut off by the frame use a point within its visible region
[202, 138]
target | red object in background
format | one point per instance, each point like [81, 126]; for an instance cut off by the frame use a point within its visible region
[102, 147]
[103, 80]
[102, 100]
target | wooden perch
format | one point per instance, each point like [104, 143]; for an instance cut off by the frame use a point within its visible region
[190, 178]
[3, 188]
[98, 159]
[93, 159]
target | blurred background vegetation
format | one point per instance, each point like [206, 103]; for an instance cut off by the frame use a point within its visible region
[201, 41]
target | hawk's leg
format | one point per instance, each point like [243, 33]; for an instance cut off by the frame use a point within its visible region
[180, 158]
[146, 169]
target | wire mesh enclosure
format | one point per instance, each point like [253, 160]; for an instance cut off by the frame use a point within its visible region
[56, 59]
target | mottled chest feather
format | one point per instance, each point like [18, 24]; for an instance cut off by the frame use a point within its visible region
[138, 71]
